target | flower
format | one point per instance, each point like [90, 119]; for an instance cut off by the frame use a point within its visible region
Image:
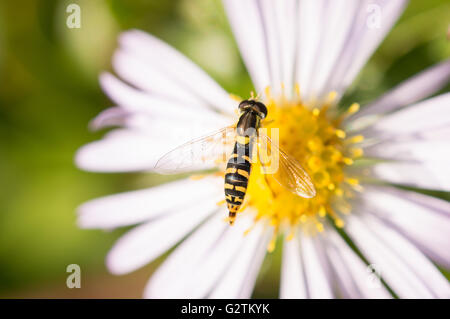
[360, 237]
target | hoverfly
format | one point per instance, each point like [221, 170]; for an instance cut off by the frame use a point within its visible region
[237, 144]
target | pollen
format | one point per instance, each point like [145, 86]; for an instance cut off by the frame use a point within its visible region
[313, 136]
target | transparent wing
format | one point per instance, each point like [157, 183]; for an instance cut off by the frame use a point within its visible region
[198, 154]
[288, 172]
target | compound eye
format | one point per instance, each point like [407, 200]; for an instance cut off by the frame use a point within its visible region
[244, 104]
[262, 109]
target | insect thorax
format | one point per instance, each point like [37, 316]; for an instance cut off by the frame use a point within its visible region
[248, 124]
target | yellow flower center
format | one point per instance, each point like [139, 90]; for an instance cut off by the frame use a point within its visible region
[314, 138]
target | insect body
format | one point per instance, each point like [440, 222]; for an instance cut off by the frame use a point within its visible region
[237, 144]
[239, 165]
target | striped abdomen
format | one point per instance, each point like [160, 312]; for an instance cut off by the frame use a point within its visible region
[237, 175]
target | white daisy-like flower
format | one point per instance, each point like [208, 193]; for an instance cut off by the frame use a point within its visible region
[302, 55]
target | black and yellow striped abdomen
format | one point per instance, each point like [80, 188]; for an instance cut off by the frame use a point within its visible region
[237, 174]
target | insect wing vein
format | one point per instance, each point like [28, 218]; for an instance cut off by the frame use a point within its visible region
[201, 153]
[290, 173]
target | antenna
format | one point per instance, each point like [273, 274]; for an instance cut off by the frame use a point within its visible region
[253, 97]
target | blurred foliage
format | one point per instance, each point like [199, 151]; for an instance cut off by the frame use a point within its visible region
[49, 92]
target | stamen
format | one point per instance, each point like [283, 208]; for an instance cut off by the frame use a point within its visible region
[357, 152]
[219, 161]
[297, 90]
[353, 109]
[322, 211]
[283, 95]
[236, 98]
[347, 161]
[337, 220]
[340, 133]
[344, 207]
[248, 230]
[220, 203]
[312, 135]
[352, 181]
[355, 139]
[339, 223]
[331, 97]
[316, 112]
[319, 227]
[291, 235]
[271, 245]
[268, 93]
[339, 192]
[197, 177]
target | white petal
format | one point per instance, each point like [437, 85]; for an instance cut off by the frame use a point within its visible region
[423, 219]
[148, 117]
[317, 272]
[417, 262]
[399, 262]
[311, 17]
[293, 283]
[146, 242]
[338, 18]
[354, 277]
[411, 150]
[410, 91]
[345, 282]
[285, 14]
[119, 116]
[134, 100]
[390, 268]
[141, 146]
[373, 21]
[431, 114]
[186, 256]
[333, 40]
[410, 174]
[246, 22]
[176, 67]
[437, 134]
[113, 116]
[145, 75]
[181, 129]
[137, 206]
[121, 151]
[154, 114]
[240, 277]
[434, 156]
[269, 22]
[198, 263]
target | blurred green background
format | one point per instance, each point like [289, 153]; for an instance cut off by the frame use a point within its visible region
[49, 92]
